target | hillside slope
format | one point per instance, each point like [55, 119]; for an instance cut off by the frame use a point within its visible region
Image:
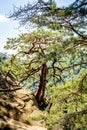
[18, 107]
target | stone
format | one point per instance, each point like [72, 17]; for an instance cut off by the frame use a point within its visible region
[16, 107]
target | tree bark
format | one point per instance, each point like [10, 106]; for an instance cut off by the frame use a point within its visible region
[41, 90]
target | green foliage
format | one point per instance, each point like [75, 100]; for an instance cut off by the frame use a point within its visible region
[68, 100]
[53, 6]
[34, 49]
[36, 118]
[3, 61]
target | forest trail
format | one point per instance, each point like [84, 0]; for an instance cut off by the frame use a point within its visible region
[18, 108]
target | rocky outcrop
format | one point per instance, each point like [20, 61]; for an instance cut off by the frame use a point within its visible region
[17, 107]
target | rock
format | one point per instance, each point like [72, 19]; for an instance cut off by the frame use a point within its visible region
[15, 125]
[16, 107]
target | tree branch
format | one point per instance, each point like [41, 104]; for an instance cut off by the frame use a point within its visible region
[70, 67]
[79, 34]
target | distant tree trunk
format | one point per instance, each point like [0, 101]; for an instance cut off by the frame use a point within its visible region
[41, 90]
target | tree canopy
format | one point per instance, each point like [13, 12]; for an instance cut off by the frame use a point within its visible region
[45, 14]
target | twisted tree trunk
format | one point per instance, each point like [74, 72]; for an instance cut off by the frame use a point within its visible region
[41, 90]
